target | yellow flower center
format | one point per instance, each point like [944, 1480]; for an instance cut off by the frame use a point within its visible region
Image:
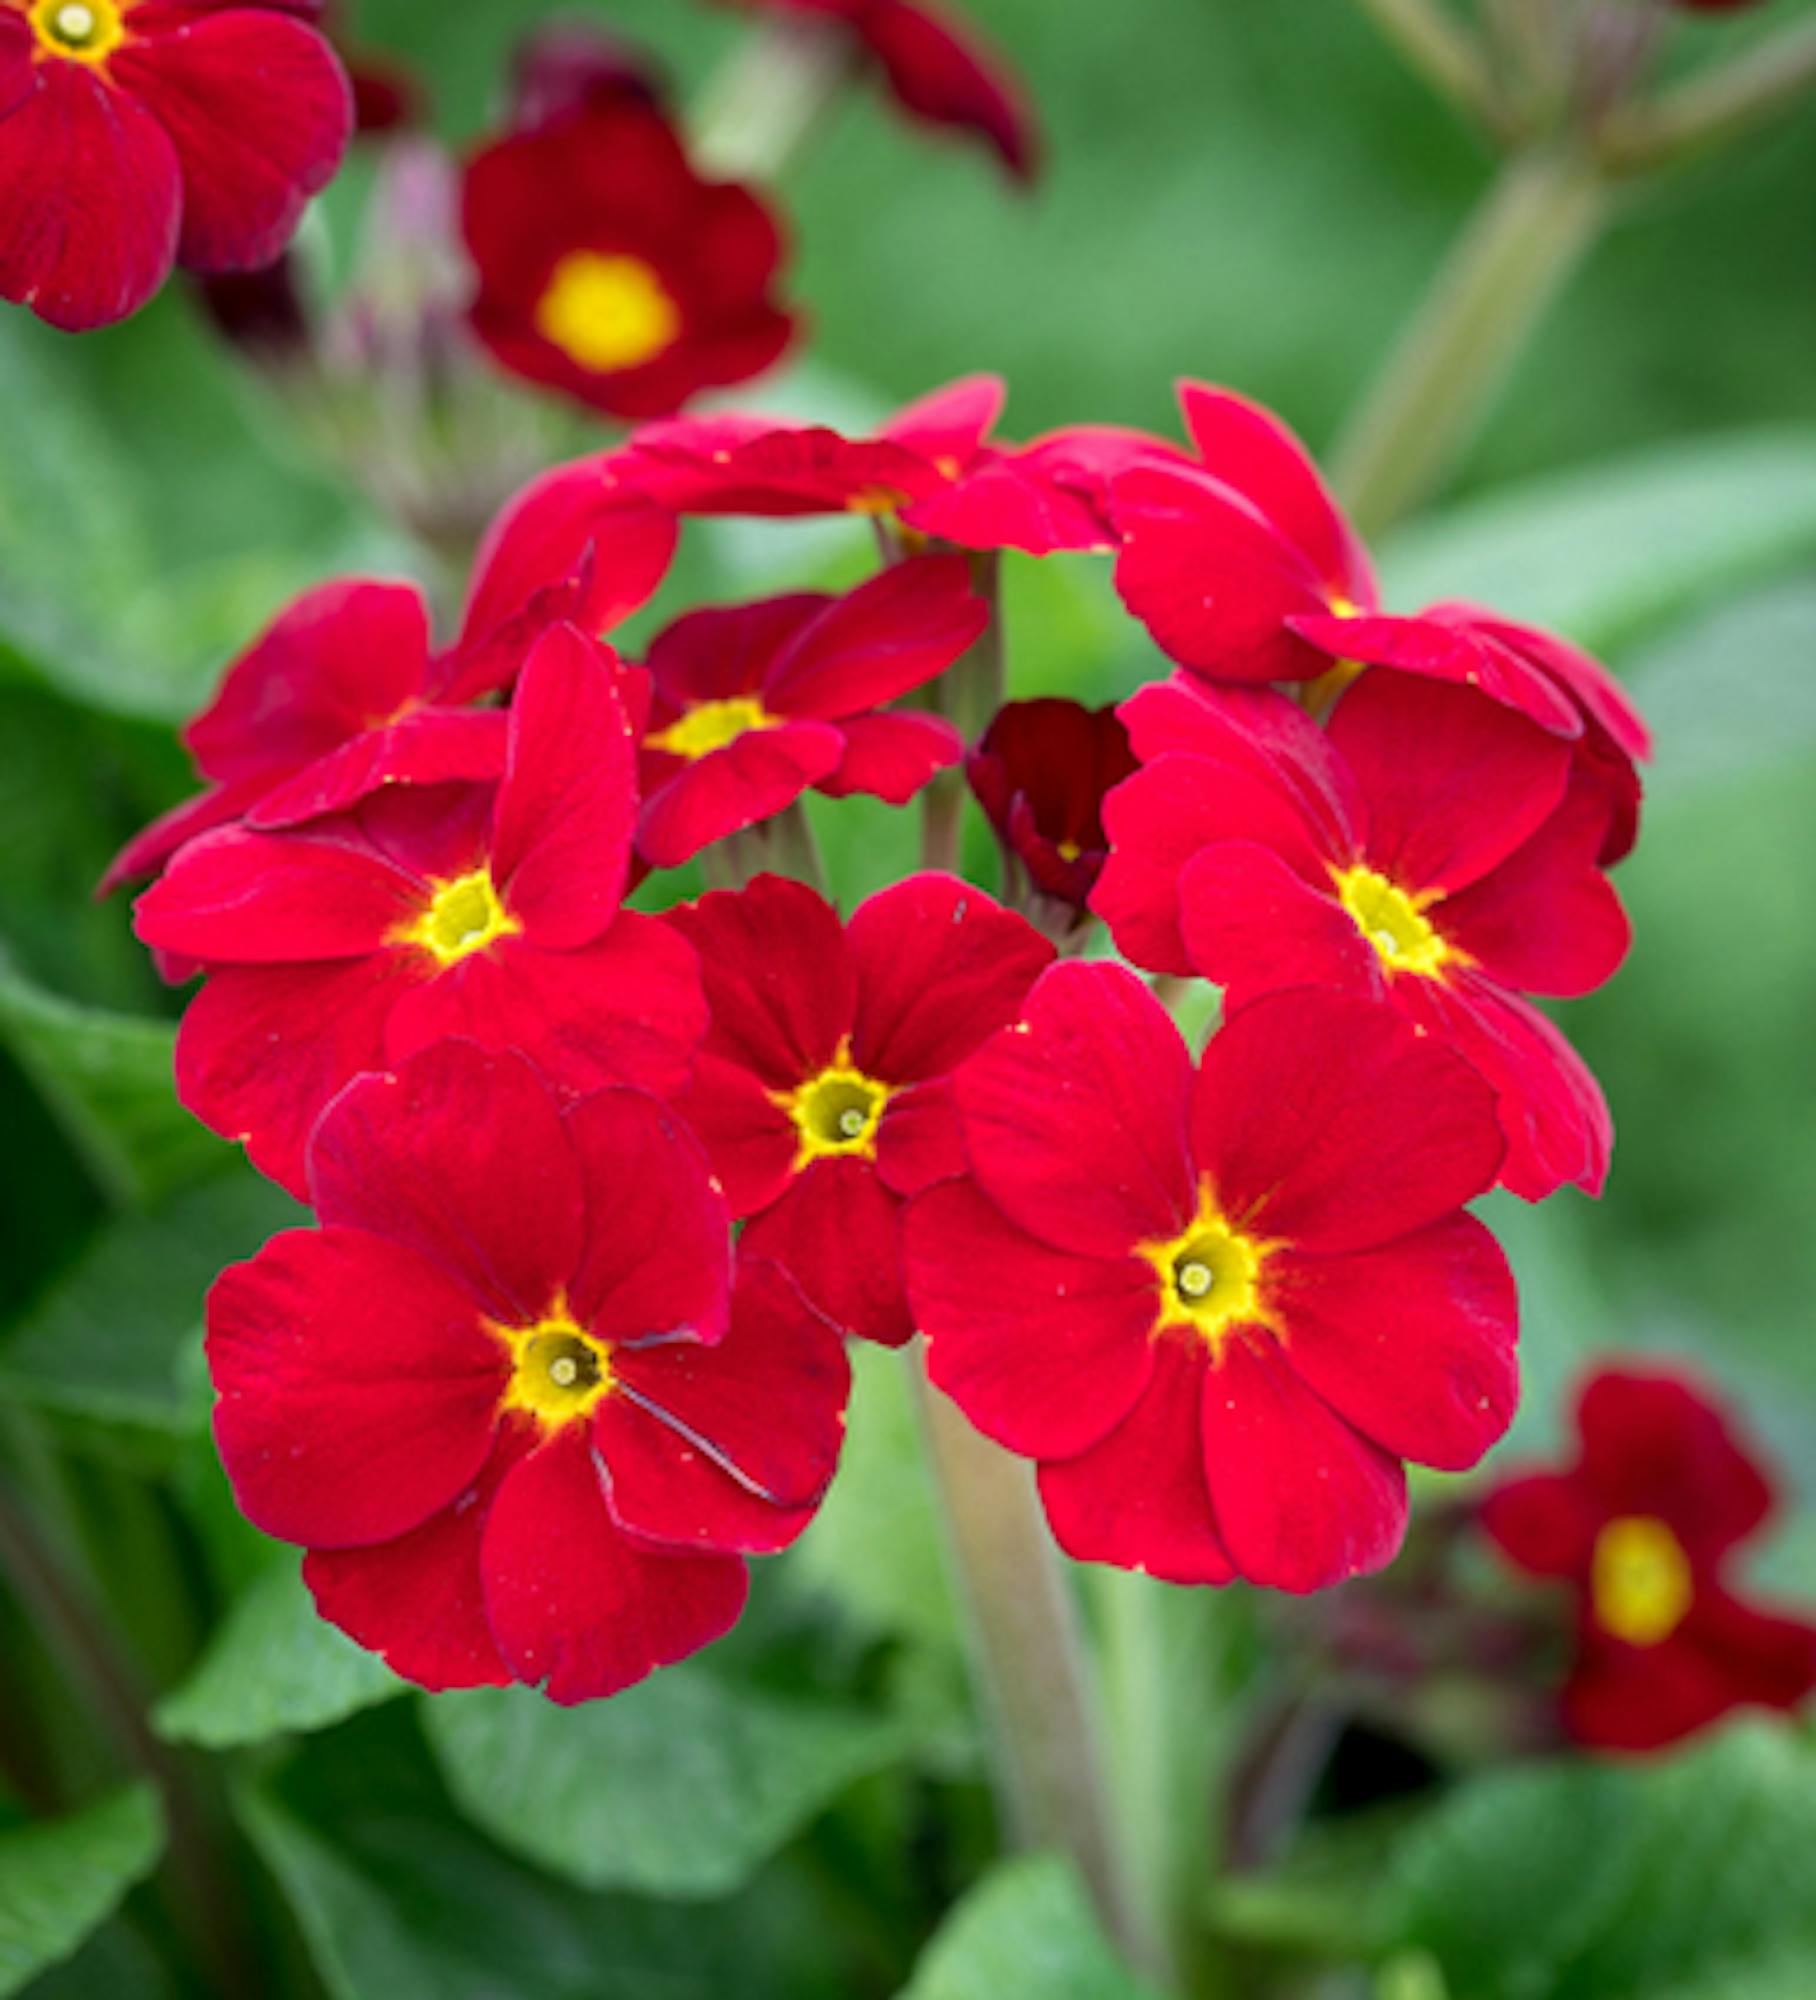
[558, 1372]
[607, 313]
[462, 917]
[86, 30]
[1210, 1275]
[836, 1113]
[1394, 922]
[710, 726]
[1639, 1580]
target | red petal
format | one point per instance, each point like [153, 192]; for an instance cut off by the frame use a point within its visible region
[1412, 1344]
[940, 967]
[939, 73]
[919, 1140]
[1543, 1524]
[729, 1447]
[358, 1387]
[728, 650]
[1329, 1123]
[891, 635]
[1301, 1500]
[949, 426]
[750, 1139]
[1440, 650]
[1139, 1499]
[433, 746]
[1251, 924]
[657, 1255]
[836, 1231]
[260, 112]
[1075, 1119]
[577, 1609]
[461, 1156]
[753, 778]
[1043, 1351]
[779, 980]
[147, 852]
[890, 757]
[90, 197]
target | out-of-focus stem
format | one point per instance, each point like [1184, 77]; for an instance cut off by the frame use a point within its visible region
[968, 694]
[759, 110]
[1030, 1663]
[1442, 51]
[1531, 231]
[793, 848]
[1722, 103]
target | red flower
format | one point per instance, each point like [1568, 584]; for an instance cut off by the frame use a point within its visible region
[610, 271]
[485, 911]
[1643, 1525]
[756, 703]
[135, 134]
[1220, 1309]
[499, 1395]
[1431, 848]
[936, 70]
[819, 1090]
[567, 66]
[1247, 570]
[1040, 772]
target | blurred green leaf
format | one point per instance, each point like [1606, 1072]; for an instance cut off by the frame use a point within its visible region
[1027, 1931]
[274, 1666]
[62, 1879]
[117, 1336]
[682, 1786]
[108, 1079]
[1603, 553]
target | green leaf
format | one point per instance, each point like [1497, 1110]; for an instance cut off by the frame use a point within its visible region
[1027, 1932]
[1603, 553]
[108, 1079]
[274, 1667]
[116, 1338]
[682, 1786]
[59, 1881]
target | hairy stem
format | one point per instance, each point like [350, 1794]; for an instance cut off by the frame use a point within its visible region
[1530, 233]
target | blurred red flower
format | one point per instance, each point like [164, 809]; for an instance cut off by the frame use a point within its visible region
[501, 1395]
[1430, 848]
[486, 911]
[607, 269]
[1644, 1525]
[755, 704]
[138, 134]
[1219, 1309]
[819, 1090]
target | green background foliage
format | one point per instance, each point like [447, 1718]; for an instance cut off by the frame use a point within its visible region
[1246, 193]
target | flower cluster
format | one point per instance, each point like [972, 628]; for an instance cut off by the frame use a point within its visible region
[600, 1190]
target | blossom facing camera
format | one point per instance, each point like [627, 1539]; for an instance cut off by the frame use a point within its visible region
[608, 270]
[755, 704]
[1040, 772]
[1219, 1308]
[1430, 848]
[1644, 1527]
[819, 1091]
[140, 134]
[507, 1395]
[489, 912]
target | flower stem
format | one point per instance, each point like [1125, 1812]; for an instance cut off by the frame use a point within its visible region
[1030, 1663]
[1531, 231]
[1442, 51]
[1719, 105]
[760, 109]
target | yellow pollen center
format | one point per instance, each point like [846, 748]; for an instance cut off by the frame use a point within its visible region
[558, 1372]
[1394, 922]
[836, 1114]
[1639, 1580]
[1210, 1276]
[710, 726]
[463, 916]
[607, 313]
[87, 30]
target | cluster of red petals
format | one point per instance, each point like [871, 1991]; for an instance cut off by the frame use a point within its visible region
[1429, 848]
[1245, 569]
[753, 705]
[138, 134]
[1645, 1526]
[509, 1395]
[820, 1089]
[488, 911]
[1041, 771]
[937, 70]
[608, 269]
[1219, 1307]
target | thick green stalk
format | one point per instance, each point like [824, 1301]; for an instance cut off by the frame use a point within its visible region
[1530, 233]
